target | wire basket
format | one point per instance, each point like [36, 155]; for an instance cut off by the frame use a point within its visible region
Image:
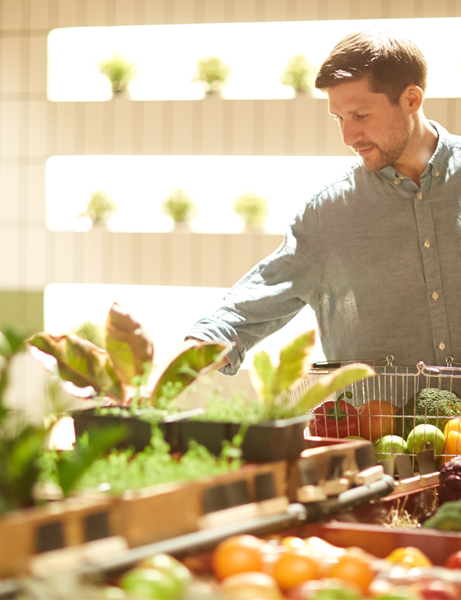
[397, 387]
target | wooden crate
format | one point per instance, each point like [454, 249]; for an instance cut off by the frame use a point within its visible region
[164, 511]
[57, 525]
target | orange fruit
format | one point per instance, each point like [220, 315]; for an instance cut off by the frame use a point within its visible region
[377, 419]
[251, 585]
[353, 569]
[292, 542]
[237, 554]
[294, 568]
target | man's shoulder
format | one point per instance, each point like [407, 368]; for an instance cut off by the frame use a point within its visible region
[343, 184]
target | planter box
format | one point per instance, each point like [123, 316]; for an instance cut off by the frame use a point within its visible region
[58, 525]
[264, 441]
[139, 431]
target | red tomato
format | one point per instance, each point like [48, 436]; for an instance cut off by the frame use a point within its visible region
[454, 560]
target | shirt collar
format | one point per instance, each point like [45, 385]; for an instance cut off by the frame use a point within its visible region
[437, 163]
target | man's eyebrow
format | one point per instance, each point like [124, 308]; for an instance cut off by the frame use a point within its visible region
[351, 112]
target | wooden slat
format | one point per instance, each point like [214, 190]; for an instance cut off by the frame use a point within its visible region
[39, 13]
[123, 126]
[213, 125]
[94, 127]
[11, 276]
[11, 15]
[95, 13]
[65, 128]
[67, 13]
[182, 128]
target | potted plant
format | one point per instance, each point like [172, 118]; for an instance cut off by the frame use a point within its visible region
[252, 209]
[180, 207]
[118, 376]
[99, 209]
[119, 71]
[212, 72]
[275, 421]
[298, 73]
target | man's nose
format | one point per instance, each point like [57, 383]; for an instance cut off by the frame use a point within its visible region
[351, 132]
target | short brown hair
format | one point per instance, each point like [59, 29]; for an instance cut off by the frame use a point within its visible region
[390, 61]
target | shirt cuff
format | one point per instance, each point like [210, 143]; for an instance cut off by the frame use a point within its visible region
[208, 330]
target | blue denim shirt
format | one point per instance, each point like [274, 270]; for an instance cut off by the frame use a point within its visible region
[377, 257]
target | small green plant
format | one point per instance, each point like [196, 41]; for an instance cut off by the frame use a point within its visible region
[251, 208]
[298, 73]
[213, 72]
[179, 206]
[119, 71]
[274, 384]
[100, 207]
[125, 470]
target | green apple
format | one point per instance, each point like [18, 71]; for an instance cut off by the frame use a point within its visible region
[388, 446]
[172, 567]
[425, 437]
[149, 584]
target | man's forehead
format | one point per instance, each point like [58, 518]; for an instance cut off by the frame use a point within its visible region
[352, 97]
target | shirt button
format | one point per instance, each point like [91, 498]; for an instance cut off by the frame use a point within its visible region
[396, 181]
[442, 346]
[436, 173]
[427, 244]
[401, 177]
[435, 295]
[419, 196]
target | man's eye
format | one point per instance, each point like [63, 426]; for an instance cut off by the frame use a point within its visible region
[337, 118]
[362, 116]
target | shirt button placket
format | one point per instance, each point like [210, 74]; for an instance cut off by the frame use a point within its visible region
[432, 274]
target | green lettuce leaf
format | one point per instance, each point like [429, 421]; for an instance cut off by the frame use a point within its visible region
[128, 343]
[332, 382]
[185, 368]
[78, 361]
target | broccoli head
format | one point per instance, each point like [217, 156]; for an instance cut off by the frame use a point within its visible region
[430, 405]
[447, 518]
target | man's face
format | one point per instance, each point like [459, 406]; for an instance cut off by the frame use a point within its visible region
[373, 127]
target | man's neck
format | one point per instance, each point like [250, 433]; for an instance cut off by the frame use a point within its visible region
[420, 148]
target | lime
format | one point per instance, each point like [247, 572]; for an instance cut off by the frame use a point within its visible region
[425, 437]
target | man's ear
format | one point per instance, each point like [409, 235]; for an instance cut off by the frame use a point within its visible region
[411, 99]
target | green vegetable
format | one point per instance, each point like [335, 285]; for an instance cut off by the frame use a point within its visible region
[430, 406]
[447, 518]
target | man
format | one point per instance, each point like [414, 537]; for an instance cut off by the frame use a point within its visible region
[377, 253]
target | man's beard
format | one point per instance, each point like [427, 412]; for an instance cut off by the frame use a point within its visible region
[383, 156]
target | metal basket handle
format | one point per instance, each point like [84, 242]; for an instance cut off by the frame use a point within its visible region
[335, 364]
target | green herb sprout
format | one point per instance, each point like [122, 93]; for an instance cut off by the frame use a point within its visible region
[213, 72]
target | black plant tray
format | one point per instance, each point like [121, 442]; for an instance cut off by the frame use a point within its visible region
[263, 441]
[139, 431]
